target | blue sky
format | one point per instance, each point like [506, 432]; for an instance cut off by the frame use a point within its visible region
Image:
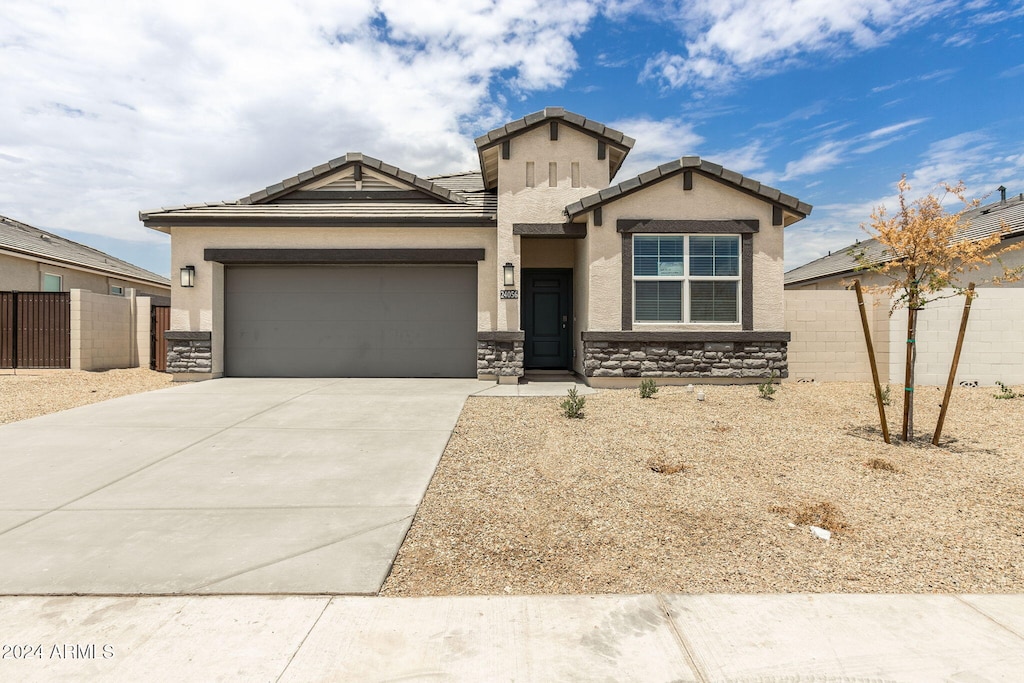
[110, 111]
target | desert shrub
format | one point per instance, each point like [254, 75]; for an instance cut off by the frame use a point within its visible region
[881, 464]
[573, 404]
[767, 388]
[1005, 391]
[648, 388]
[823, 514]
[664, 467]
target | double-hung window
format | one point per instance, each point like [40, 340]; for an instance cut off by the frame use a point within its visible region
[686, 278]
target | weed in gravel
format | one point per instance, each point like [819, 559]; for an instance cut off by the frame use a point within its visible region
[664, 467]
[823, 514]
[881, 464]
[648, 388]
[886, 395]
[572, 406]
[767, 388]
[1006, 392]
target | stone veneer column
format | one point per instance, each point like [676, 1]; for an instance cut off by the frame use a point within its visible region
[189, 353]
[500, 354]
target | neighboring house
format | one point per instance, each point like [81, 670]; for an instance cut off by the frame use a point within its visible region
[828, 342]
[33, 260]
[359, 268]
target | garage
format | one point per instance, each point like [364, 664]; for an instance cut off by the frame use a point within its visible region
[350, 321]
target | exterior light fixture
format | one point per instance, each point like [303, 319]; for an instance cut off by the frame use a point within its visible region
[188, 276]
[510, 275]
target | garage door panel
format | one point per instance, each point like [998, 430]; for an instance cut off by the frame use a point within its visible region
[355, 321]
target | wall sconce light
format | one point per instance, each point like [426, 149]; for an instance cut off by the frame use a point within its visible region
[188, 276]
[510, 275]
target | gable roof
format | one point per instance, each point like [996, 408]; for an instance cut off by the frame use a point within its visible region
[334, 166]
[692, 163]
[457, 199]
[488, 145]
[24, 239]
[980, 222]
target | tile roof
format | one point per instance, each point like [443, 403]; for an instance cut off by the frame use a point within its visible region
[466, 202]
[313, 174]
[22, 238]
[618, 144]
[979, 222]
[693, 163]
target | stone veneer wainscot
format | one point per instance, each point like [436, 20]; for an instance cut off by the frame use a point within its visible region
[736, 355]
[189, 351]
[499, 354]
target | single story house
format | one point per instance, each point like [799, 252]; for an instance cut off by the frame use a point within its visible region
[33, 260]
[533, 262]
[827, 336]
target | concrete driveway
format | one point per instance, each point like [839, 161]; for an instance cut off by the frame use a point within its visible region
[225, 486]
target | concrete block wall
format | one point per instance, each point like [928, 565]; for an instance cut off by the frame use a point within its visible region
[828, 338]
[141, 308]
[103, 331]
[828, 341]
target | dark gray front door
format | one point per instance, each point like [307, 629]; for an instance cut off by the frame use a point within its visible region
[547, 318]
[350, 321]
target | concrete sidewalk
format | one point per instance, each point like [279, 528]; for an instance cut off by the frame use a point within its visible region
[532, 638]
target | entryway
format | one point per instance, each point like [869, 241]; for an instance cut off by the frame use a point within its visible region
[547, 318]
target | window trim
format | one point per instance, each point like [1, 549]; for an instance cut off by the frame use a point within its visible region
[119, 287]
[746, 228]
[686, 280]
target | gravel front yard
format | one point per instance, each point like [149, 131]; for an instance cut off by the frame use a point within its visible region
[526, 501]
[24, 395]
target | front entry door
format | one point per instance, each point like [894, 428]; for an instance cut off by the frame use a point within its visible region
[547, 318]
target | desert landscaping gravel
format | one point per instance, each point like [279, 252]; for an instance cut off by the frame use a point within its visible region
[526, 501]
[28, 395]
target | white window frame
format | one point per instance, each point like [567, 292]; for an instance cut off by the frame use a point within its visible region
[686, 279]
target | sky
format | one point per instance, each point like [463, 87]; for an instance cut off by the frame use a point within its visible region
[115, 107]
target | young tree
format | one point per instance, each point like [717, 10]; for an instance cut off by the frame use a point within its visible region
[924, 259]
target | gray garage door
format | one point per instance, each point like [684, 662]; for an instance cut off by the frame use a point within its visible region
[350, 321]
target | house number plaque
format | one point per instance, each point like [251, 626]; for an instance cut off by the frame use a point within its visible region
[510, 294]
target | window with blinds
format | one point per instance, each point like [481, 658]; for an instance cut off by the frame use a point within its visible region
[686, 278]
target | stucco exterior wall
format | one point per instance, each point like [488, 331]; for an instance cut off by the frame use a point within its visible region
[201, 308]
[103, 333]
[26, 274]
[580, 300]
[518, 203]
[709, 199]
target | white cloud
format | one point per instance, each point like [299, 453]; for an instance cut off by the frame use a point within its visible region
[732, 38]
[657, 142]
[831, 153]
[150, 104]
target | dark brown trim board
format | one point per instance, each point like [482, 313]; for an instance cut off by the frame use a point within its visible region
[747, 281]
[551, 230]
[185, 335]
[696, 337]
[496, 336]
[713, 227]
[340, 256]
[627, 281]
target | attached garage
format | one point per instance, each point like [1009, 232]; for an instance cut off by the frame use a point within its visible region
[350, 320]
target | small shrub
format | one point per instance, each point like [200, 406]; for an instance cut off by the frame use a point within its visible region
[663, 467]
[823, 514]
[881, 464]
[767, 388]
[1006, 392]
[572, 406]
[648, 388]
[886, 396]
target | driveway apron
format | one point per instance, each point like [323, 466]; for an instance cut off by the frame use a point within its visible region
[225, 486]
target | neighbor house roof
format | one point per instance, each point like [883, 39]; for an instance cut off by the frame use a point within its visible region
[691, 163]
[978, 223]
[488, 145]
[25, 240]
[457, 199]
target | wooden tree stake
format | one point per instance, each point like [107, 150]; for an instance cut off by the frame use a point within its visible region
[956, 362]
[871, 359]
